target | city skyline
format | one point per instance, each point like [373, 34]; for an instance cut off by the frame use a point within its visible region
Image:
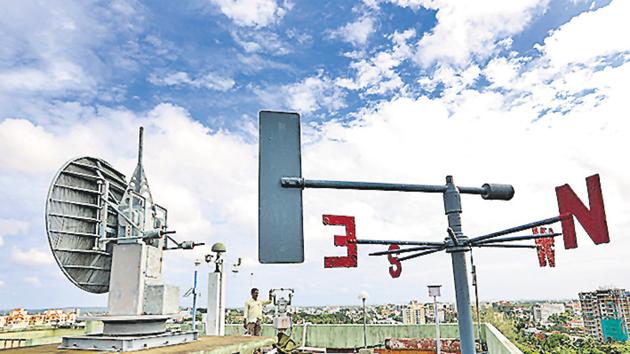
[532, 93]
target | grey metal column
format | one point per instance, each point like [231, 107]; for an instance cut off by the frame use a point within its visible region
[453, 209]
[364, 326]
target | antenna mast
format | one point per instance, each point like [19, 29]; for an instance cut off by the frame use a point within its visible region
[140, 145]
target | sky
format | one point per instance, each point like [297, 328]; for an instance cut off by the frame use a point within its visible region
[528, 92]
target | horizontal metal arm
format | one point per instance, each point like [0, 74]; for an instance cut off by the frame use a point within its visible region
[297, 182]
[517, 229]
[487, 191]
[420, 254]
[406, 243]
[491, 245]
[404, 250]
[516, 238]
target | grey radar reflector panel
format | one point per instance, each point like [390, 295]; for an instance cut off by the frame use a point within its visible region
[80, 214]
[280, 225]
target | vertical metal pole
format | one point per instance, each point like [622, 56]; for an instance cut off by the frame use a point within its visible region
[194, 307]
[364, 326]
[475, 285]
[453, 209]
[140, 145]
[438, 342]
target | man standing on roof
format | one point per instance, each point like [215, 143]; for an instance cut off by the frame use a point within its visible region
[253, 313]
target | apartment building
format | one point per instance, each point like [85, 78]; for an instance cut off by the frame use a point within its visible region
[414, 313]
[606, 313]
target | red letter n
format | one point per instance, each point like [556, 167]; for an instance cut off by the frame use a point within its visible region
[346, 240]
[592, 219]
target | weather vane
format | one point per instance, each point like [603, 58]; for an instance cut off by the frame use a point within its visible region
[280, 220]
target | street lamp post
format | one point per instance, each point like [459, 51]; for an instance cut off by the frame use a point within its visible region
[194, 296]
[363, 296]
[434, 290]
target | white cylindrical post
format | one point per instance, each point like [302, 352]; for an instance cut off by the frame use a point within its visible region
[363, 296]
[215, 319]
[438, 342]
[434, 290]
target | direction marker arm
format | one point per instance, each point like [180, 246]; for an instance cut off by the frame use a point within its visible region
[491, 245]
[518, 228]
[516, 238]
[404, 250]
[420, 254]
[406, 243]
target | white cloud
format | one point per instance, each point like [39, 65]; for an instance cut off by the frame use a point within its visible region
[211, 81]
[562, 81]
[13, 133]
[53, 50]
[307, 96]
[32, 257]
[255, 63]
[9, 227]
[501, 71]
[261, 41]
[465, 29]
[58, 76]
[453, 80]
[377, 75]
[253, 13]
[313, 93]
[590, 35]
[413, 4]
[1, 284]
[32, 280]
[357, 32]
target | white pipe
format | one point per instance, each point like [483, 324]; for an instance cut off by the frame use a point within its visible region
[438, 343]
[304, 333]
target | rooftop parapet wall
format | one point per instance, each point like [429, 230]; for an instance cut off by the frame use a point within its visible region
[497, 342]
[351, 335]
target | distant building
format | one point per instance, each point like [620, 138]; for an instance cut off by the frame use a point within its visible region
[606, 314]
[444, 312]
[20, 318]
[543, 311]
[575, 307]
[414, 313]
[502, 306]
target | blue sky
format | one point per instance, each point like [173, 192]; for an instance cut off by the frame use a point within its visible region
[530, 92]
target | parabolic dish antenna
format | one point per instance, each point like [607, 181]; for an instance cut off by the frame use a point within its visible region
[81, 213]
[108, 235]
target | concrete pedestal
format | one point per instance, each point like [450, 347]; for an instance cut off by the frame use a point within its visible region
[127, 343]
[128, 333]
[215, 319]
